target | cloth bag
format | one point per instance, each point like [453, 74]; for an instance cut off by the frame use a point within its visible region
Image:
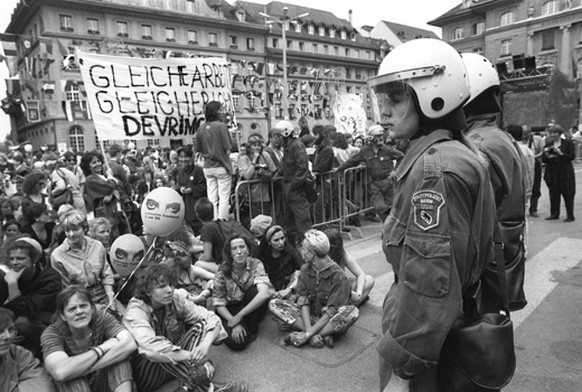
[63, 197]
[479, 353]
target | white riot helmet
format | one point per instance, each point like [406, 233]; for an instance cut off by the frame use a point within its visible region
[283, 128]
[375, 130]
[432, 68]
[482, 74]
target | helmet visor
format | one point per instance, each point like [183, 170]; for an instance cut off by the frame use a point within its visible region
[390, 101]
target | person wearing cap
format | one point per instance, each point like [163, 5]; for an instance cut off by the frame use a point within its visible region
[506, 171]
[438, 237]
[28, 290]
[379, 159]
[323, 311]
[20, 370]
[295, 170]
[212, 141]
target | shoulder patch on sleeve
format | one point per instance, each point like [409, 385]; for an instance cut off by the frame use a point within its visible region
[427, 208]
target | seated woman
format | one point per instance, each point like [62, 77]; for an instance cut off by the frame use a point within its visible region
[21, 371]
[83, 260]
[361, 284]
[196, 281]
[86, 348]
[241, 292]
[281, 260]
[173, 335]
[28, 290]
[322, 311]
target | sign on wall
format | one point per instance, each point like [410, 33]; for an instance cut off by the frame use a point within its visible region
[137, 98]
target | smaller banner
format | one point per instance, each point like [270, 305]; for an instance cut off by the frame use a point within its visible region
[349, 113]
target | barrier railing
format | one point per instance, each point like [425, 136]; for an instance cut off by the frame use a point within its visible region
[342, 196]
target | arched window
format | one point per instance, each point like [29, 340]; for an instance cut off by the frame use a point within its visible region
[549, 7]
[76, 139]
[507, 18]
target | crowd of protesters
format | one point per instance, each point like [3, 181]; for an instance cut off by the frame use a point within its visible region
[69, 321]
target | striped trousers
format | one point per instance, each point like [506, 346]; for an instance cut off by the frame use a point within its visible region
[107, 379]
[150, 375]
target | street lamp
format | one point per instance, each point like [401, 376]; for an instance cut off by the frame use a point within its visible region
[283, 22]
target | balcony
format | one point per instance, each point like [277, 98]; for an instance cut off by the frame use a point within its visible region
[67, 29]
[122, 35]
[146, 37]
[93, 32]
[192, 42]
[170, 40]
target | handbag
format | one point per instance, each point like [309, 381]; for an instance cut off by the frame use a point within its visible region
[478, 354]
[64, 197]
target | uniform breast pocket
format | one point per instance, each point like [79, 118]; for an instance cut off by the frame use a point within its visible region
[427, 264]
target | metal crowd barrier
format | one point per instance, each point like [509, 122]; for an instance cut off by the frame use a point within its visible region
[341, 196]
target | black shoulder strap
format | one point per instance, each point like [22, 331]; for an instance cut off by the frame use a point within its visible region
[500, 260]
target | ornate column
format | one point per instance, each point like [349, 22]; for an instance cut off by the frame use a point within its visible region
[565, 55]
[529, 48]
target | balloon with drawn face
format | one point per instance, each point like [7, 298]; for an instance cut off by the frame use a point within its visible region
[126, 253]
[162, 211]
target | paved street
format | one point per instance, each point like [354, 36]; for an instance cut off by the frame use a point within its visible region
[548, 333]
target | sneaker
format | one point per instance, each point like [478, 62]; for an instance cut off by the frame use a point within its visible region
[329, 341]
[200, 374]
[234, 386]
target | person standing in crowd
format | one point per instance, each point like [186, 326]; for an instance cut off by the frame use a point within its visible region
[504, 162]
[536, 145]
[559, 152]
[28, 290]
[20, 370]
[439, 234]
[528, 158]
[379, 160]
[115, 153]
[322, 311]
[191, 184]
[297, 217]
[33, 188]
[242, 290]
[174, 336]
[70, 177]
[86, 348]
[213, 142]
[276, 154]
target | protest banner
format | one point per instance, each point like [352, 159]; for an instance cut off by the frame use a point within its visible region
[137, 98]
[349, 114]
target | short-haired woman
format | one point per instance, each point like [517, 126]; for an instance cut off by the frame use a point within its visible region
[83, 260]
[322, 311]
[86, 348]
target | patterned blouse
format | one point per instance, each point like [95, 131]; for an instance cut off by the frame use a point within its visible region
[231, 289]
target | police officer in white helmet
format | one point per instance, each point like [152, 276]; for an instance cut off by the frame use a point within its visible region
[438, 235]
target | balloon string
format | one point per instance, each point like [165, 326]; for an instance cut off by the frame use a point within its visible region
[132, 273]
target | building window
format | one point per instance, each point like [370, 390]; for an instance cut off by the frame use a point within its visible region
[233, 42]
[192, 37]
[325, 49]
[213, 39]
[506, 47]
[315, 48]
[548, 40]
[336, 50]
[357, 53]
[478, 50]
[368, 55]
[76, 140]
[549, 7]
[478, 28]
[347, 52]
[153, 142]
[348, 73]
[331, 33]
[66, 23]
[301, 46]
[192, 6]
[297, 27]
[251, 44]
[275, 42]
[353, 36]
[507, 18]
[457, 34]
[311, 29]
[72, 93]
[321, 31]
[172, 5]
[170, 34]
[343, 34]
[289, 44]
[236, 102]
[122, 29]
[92, 26]
[240, 15]
[146, 31]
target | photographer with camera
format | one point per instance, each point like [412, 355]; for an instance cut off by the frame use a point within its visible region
[257, 164]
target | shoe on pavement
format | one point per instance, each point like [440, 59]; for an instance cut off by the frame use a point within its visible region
[534, 214]
[569, 220]
[233, 386]
[329, 341]
[552, 217]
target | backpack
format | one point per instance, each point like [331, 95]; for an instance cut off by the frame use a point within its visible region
[232, 227]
